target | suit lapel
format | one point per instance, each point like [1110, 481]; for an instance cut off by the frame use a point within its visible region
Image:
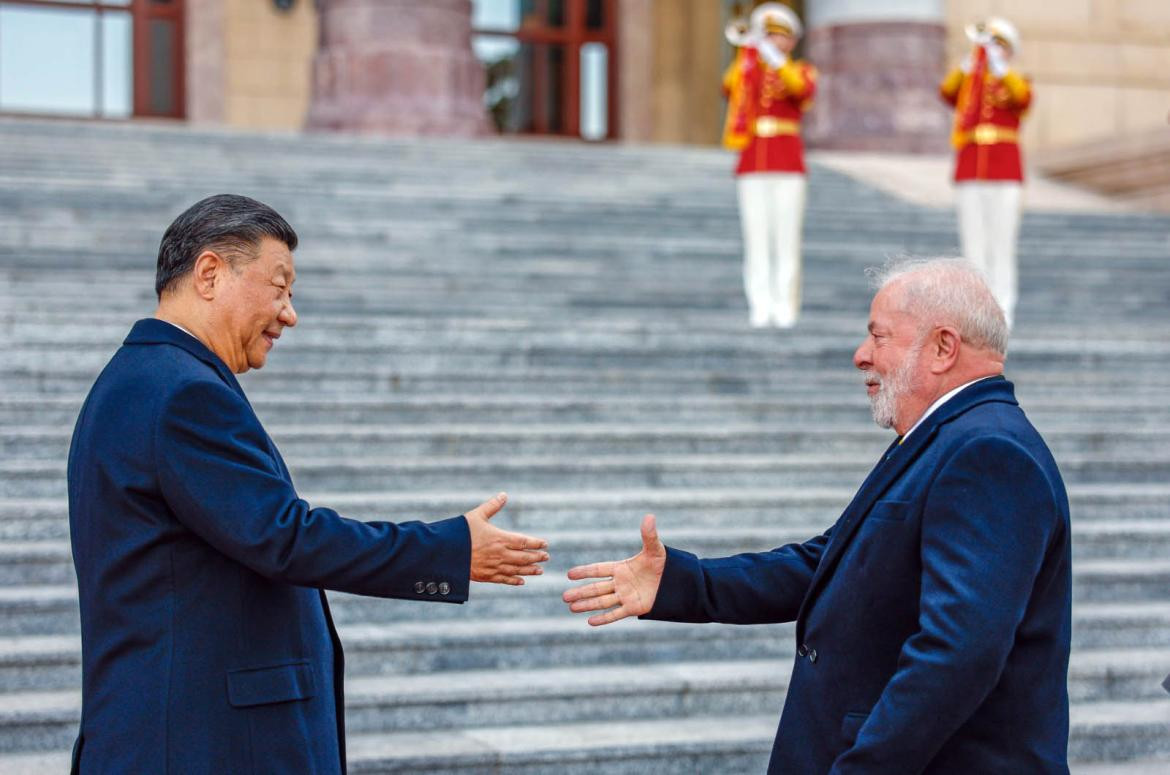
[896, 460]
[885, 473]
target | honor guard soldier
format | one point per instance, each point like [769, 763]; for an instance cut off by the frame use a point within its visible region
[989, 98]
[767, 93]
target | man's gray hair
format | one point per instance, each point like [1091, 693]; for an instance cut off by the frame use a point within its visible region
[947, 291]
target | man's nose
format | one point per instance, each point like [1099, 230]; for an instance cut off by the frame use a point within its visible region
[861, 356]
[288, 315]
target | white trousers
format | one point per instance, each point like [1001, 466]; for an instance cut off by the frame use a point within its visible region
[989, 222]
[771, 213]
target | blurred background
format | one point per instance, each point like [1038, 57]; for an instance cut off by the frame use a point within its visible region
[520, 268]
[633, 70]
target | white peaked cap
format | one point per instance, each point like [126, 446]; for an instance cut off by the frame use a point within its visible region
[776, 12]
[1002, 28]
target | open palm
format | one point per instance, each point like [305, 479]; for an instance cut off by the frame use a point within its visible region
[627, 587]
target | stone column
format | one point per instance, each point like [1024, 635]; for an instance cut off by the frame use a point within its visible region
[397, 67]
[880, 65]
[205, 61]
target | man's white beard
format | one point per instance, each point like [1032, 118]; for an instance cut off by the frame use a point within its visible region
[884, 403]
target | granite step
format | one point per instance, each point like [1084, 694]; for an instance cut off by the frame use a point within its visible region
[574, 694]
[607, 311]
[1107, 639]
[23, 563]
[475, 441]
[1132, 731]
[827, 407]
[1115, 507]
[52, 610]
[38, 479]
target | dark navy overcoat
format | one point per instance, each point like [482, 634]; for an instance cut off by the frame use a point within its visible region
[932, 620]
[207, 642]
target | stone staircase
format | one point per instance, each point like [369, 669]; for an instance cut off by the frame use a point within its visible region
[564, 322]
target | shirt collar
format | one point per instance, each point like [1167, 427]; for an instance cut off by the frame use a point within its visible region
[942, 400]
[176, 325]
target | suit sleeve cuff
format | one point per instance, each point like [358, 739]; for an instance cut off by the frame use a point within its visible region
[678, 589]
[448, 579]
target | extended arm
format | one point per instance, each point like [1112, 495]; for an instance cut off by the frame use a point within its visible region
[755, 588]
[220, 479]
[661, 583]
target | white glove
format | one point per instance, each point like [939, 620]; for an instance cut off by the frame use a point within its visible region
[772, 55]
[997, 61]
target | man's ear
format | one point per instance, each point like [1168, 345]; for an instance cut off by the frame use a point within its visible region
[946, 343]
[207, 274]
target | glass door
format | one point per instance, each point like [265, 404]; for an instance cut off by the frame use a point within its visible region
[550, 64]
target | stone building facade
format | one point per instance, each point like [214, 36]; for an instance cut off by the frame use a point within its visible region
[636, 70]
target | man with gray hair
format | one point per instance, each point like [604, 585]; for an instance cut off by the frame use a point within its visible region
[933, 619]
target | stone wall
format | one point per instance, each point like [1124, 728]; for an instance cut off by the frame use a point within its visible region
[670, 56]
[1101, 68]
[248, 64]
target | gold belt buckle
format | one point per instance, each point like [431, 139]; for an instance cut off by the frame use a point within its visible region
[771, 126]
[990, 134]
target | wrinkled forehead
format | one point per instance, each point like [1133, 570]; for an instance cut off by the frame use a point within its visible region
[889, 307]
[890, 298]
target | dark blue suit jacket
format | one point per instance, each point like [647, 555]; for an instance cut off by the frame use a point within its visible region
[933, 620]
[207, 644]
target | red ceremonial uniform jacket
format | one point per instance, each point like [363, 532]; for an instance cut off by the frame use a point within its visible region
[990, 149]
[764, 108]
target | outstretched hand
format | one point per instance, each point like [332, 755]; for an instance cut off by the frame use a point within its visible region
[498, 556]
[627, 588]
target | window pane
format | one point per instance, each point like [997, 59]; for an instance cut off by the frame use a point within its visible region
[594, 91]
[491, 49]
[500, 57]
[553, 81]
[117, 65]
[47, 60]
[122, 3]
[556, 13]
[162, 67]
[524, 84]
[542, 13]
[595, 14]
[495, 15]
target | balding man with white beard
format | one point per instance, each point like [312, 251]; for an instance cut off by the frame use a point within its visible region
[933, 619]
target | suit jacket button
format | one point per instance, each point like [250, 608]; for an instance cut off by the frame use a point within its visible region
[432, 587]
[802, 650]
[419, 587]
[812, 655]
[444, 588]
